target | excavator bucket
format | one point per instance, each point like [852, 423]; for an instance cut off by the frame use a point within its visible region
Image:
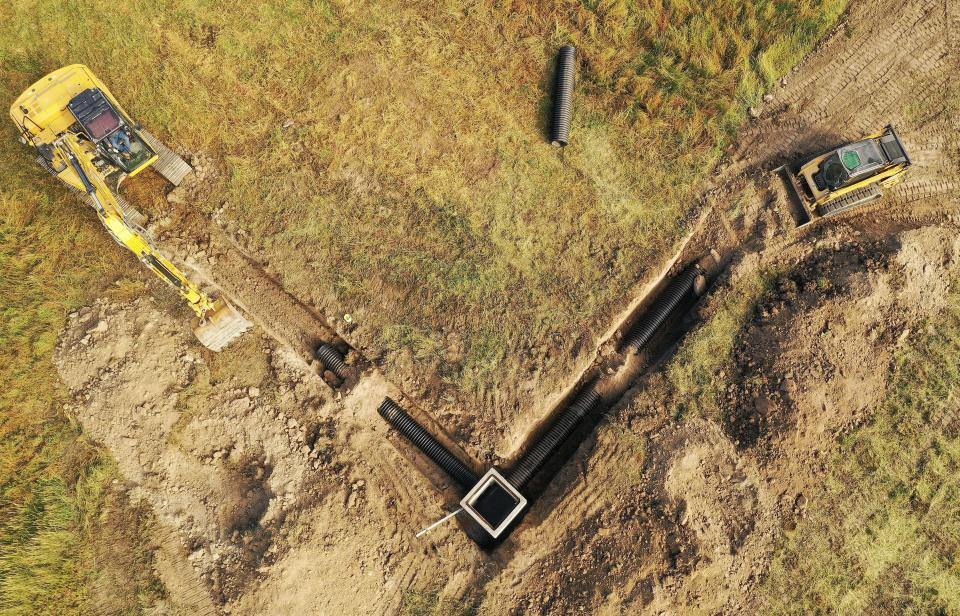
[220, 326]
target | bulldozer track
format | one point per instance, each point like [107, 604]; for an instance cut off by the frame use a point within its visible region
[864, 64]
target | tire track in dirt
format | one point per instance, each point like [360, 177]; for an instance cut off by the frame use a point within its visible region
[889, 76]
[394, 466]
[862, 80]
[189, 593]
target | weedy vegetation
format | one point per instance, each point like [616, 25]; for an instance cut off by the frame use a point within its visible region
[697, 373]
[68, 542]
[396, 168]
[883, 537]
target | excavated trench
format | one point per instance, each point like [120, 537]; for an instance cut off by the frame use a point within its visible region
[638, 344]
[915, 203]
[309, 335]
[596, 389]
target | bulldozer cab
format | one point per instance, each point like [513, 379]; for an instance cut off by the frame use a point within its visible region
[850, 163]
[845, 177]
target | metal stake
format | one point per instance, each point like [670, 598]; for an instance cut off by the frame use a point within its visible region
[439, 522]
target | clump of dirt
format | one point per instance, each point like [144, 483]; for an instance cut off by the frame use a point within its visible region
[812, 365]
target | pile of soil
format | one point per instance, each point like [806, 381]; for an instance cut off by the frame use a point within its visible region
[271, 481]
[223, 462]
[286, 496]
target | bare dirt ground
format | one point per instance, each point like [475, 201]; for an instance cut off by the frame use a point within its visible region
[279, 494]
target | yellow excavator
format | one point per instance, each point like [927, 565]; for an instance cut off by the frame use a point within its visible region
[848, 176]
[86, 140]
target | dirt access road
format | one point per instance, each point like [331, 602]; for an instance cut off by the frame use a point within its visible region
[276, 494]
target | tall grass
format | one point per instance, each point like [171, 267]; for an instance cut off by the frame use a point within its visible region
[57, 517]
[884, 535]
[414, 188]
[430, 603]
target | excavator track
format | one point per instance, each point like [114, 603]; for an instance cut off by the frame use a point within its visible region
[169, 165]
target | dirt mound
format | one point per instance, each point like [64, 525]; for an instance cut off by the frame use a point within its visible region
[656, 515]
[222, 458]
[812, 365]
[822, 339]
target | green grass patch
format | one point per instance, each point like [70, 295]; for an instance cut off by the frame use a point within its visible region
[415, 184]
[430, 603]
[696, 372]
[883, 537]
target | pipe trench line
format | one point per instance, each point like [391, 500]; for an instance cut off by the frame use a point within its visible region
[563, 96]
[332, 360]
[661, 309]
[537, 455]
[425, 442]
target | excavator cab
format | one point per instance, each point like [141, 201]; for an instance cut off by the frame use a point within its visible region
[105, 126]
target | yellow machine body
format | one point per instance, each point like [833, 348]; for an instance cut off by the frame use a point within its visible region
[42, 112]
[850, 175]
[88, 142]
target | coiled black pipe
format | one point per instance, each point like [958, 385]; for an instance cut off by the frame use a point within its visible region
[641, 333]
[563, 95]
[332, 360]
[535, 457]
[426, 443]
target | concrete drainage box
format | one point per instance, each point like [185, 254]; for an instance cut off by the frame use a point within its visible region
[493, 503]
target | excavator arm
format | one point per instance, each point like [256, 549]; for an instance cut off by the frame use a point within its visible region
[85, 139]
[69, 155]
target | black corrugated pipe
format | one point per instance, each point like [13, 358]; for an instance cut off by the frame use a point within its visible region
[332, 360]
[641, 333]
[563, 95]
[426, 443]
[535, 457]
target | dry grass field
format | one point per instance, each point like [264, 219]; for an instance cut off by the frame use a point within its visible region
[390, 162]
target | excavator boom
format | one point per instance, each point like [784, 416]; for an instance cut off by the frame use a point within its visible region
[68, 148]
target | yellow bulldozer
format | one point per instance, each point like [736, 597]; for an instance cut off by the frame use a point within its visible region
[848, 176]
[86, 140]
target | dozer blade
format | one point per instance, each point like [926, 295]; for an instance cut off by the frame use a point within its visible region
[221, 326]
[795, 201]
[169, 164]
